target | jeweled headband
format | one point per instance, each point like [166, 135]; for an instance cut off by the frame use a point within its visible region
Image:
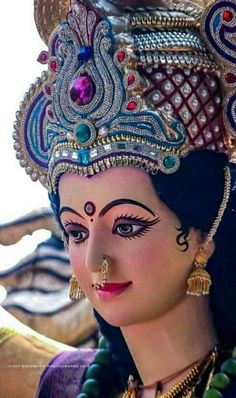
[137, 87]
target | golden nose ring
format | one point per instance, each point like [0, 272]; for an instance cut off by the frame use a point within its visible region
[106, 263]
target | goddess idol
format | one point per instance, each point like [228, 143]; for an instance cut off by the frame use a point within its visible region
[132, 130]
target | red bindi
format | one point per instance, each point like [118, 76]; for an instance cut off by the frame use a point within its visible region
[89, 208]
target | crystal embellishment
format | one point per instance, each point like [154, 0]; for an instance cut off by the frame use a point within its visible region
[230, 78]
[169, 161]
[83, 133]
[83, 157]
[82, 90]
[85, 53]
[227, 16]
[43, 57]
[53, 65]
[132, 105]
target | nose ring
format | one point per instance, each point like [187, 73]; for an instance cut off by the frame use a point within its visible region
[106, 263]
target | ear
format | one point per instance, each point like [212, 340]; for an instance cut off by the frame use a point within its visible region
[210, 247]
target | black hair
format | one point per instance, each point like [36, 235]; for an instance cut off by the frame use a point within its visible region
[194, 193]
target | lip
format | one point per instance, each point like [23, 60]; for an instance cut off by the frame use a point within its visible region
[109, 290]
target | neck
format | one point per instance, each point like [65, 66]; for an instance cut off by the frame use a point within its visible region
[164, 346]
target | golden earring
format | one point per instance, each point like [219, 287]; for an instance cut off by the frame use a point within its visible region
[76, 293]
[199, 281]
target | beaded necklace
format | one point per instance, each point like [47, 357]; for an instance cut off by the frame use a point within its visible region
[99, 375]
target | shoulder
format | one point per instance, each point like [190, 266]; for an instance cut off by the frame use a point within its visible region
[63, 375]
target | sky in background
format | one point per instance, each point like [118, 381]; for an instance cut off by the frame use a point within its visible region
[20, 47]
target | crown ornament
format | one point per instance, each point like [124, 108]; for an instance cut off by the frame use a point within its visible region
[142, 93]
[49, 13]
[88, 113]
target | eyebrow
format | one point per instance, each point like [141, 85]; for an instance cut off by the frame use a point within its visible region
[66, 208]
[118, 202]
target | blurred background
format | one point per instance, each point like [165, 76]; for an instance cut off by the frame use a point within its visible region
[34, 269]
[20, 47]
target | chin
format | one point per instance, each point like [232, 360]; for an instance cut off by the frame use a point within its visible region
[123, 317]
[116, 320]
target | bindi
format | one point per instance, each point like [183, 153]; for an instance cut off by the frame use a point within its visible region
[89, 208]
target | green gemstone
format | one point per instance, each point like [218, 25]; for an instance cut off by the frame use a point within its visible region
[169, 162]
[83, 133]
[212, 393]
[229, 367]
[103, 357]
[234, 353]
[92, 387]
[220, 380]
[94, 371]
[121, 145]
[102, 343]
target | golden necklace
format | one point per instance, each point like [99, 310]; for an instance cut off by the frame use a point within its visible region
[186, 387]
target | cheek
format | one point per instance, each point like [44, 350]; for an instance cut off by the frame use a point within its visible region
[159, 259]
[76, 255]
[157, 247]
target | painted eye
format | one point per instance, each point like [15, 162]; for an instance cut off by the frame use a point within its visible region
[78, 236]
[128, 229]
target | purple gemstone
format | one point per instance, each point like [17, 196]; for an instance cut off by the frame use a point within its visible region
[82, 90]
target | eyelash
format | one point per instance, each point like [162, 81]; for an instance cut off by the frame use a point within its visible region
[125, 217]
[132, 218]
[68, 233]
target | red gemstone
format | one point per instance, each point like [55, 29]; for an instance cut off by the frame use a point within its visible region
[43, 57]
[121, 56]
[227, 16]
[230, 78]
[132, 105]
[53, 65]
[47, 89]
[131, 80]
[50, 114]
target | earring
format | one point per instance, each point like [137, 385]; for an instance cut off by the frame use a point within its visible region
[199, 281]
[103, 273]
[76, 293]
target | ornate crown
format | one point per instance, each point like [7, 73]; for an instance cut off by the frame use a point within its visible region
[139, 93]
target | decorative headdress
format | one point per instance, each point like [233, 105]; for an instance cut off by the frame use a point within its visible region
[136, 87]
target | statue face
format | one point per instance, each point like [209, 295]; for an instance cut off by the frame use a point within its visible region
[118, 214]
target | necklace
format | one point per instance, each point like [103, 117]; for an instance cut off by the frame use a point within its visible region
[100, 379]
[186, 387]
[182, 388]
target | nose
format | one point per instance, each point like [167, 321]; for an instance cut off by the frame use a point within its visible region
[96, 251]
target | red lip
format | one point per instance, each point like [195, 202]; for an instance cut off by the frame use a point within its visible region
[112, 287]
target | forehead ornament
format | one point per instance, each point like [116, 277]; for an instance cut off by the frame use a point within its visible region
[140, 98]
[89, 208]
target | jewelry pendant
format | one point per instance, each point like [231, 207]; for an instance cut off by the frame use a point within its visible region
[132, 389]
[128, 394]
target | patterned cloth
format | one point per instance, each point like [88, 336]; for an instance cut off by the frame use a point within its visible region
[64, 373]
